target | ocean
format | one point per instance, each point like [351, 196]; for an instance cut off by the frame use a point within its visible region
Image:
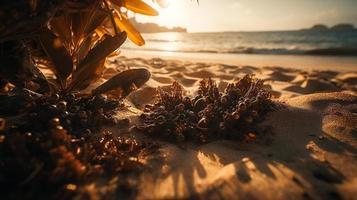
[335, 43]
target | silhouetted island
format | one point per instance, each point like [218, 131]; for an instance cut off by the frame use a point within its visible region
[154, 28]
[319, 27]
[337, 27]
[343, 27]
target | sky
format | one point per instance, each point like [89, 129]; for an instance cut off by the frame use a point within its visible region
[252, 15]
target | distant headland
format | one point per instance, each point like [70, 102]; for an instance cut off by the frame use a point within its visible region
[154, 28]
[337, 27]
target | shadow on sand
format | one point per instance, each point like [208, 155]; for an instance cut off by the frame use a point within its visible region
[307, 157]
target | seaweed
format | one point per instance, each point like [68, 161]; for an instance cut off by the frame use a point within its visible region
[210, 115]
[57, 147]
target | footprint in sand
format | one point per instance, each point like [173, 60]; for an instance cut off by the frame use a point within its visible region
[200, 74]
[183, 80]
[186, 81]
[312, 85]
[280, 76]
[162, 79]
[299, 79]
[176, 68]
[198, 66]
[323, 74]
[244, 70]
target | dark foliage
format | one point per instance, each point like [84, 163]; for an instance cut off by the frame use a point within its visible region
[55, 148]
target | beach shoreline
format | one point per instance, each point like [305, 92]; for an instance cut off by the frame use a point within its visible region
[303, 62]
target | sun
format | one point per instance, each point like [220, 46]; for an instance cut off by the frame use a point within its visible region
[171, 13]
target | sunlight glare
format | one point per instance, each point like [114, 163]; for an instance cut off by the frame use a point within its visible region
[172, 14]
[163, 3]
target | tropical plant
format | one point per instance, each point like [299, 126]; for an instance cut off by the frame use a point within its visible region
[72, 38]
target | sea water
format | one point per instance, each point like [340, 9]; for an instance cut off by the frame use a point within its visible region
[341, 43]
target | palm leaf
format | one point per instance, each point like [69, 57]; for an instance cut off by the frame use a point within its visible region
[124, 81]
[96, 20]
[78, 23]
[84, 23]
[84, 49]
[93, 64]
[101, 31]
[136, 6]
[103, 49]
[61, 25]
[85, 77]
[58, 54]
[123, 23]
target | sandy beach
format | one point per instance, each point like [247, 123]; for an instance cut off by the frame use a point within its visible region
[305, 62]
[311, 153]
[169, 99]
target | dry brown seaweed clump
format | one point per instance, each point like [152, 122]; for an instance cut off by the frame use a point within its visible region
[55, 149]
[61, 165]
[210, 115]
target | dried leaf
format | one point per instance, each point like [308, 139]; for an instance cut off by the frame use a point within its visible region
[61, 25]
[100, 31]
[84, 23]
[78, 22]
[107, 27]
[136, 6]
[119, 3]
[92, 65]
[124, 81]
[103, 49]
[114, 53]
[96, 20]
[84, 78]
[37, 76]
[59, 56]
[124, 24]
[84, 49]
